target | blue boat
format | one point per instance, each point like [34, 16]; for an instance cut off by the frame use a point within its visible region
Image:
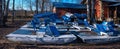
[105, 33]
[53, 33]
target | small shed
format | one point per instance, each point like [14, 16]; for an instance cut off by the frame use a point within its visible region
[62, 8]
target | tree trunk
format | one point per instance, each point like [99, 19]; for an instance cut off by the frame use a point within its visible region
[36, 6]
[13, 11]
[92, 11]
[0, 12]
[88, 9]
[42, 8]
[6, 12]
[30, 2]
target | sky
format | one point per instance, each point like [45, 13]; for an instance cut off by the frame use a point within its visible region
[19, 4]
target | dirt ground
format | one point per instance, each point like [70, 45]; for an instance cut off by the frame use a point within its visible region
[5, 44]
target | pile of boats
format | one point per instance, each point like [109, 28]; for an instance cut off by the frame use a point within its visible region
[48, 28]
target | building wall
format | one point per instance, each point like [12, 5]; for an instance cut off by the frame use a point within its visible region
[101, 9]
[97, 9]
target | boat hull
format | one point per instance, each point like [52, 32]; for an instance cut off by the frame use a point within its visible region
[99, 39]
[32, 39]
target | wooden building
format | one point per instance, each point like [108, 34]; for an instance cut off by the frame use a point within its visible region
[62, 8]
[105, 8]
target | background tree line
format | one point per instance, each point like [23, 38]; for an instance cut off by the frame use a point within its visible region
[35, 6]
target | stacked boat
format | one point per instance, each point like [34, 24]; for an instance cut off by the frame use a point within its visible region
[47, 28]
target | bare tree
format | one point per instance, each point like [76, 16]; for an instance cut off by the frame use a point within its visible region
[13, 11]
[0, 12]
[42, 6]
[19, 5]
[45, 5]
[37, 6]
[6, 10]
[31, 4]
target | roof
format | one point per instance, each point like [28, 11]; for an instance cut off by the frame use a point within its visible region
[117, 4]
[111, 0]
[42, 15]
[69, 5]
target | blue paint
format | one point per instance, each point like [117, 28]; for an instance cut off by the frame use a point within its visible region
[69, 5]
[21, 31]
